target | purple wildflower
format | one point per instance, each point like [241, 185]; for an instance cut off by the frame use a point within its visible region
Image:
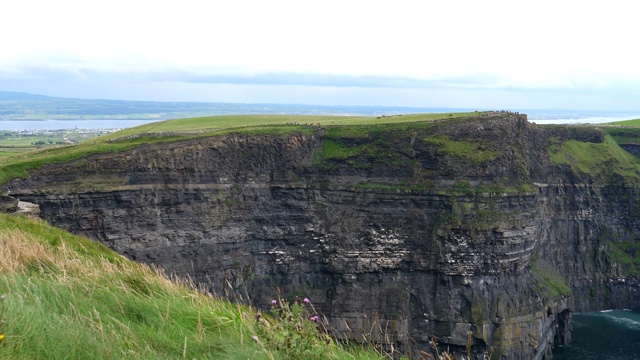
[314, 318]
[274, 302]
[306, 301]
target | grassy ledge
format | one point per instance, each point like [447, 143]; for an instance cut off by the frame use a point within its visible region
[548, 283]
[66, 297]
[598, 160]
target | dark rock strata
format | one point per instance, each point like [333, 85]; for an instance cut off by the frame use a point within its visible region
[8, 203]
[401, 234]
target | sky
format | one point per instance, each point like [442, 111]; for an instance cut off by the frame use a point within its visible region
[466, 54]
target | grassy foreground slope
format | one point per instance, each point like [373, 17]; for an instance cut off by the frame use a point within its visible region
[67, 297]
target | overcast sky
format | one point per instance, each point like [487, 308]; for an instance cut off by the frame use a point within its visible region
[471, 54]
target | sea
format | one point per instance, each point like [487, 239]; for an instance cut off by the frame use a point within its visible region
[603, 335]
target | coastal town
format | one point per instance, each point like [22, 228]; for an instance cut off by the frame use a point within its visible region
[15, 141]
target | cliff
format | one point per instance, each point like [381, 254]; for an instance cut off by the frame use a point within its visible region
[7, 203]
[487, 225]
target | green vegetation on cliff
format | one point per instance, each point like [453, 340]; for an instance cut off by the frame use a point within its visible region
[463, 149]
[66, 297]
[599, 161]
[626, 255]
[19, 165]
[381, 142]
[624, 132]
[547, 283]
[624, 135]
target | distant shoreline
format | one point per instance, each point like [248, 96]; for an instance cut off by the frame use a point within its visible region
[538, 117]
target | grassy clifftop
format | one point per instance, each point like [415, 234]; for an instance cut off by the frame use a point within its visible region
[361, 139]
[184, 129]
[66, 297]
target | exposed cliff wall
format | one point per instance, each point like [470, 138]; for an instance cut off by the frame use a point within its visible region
[8, 203]
[483, 225]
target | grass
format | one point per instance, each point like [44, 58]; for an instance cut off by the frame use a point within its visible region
[624, 132]
[11, 151]
[624, 135]
[546, 280]
[19, 165]
[633, 122]
[67, 297]
[465, 150]
[333, 150]
[404, 186]
[625, 254]
[375, 143]
[237, 122]
[598, 160]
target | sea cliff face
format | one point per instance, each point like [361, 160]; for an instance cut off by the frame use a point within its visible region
[484, 226]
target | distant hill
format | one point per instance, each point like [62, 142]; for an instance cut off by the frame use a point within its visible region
[23, 106]
[11, 95]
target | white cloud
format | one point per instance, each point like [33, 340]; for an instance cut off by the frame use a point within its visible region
[494, 45]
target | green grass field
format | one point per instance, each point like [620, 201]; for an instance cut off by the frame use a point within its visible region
[255, 122]
[633, 122]
[13, 151]
[66, 297]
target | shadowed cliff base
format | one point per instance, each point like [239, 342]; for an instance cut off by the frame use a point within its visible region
[485, 224]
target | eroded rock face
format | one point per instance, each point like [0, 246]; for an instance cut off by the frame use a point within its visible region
[8, 203]
[442, 230]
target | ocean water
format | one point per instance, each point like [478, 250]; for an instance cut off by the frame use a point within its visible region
[604, 335]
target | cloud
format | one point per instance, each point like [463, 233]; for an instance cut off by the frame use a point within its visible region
[78, 72]
[481, 90]
[292, 78]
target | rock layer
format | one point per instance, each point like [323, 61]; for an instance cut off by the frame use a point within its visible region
[399, 233]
